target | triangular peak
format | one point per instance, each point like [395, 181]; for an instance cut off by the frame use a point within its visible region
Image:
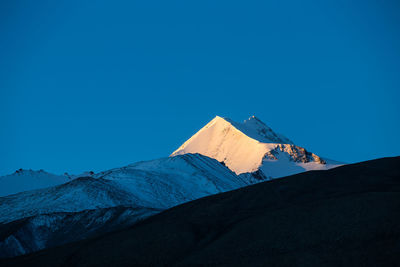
[253, 127]
[219, 119]
[246, 146]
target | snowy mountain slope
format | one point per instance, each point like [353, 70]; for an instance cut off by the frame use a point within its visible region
[41, 218]
[25, 180]
[48, 230]
[77, 195]
[158, 184]
[251, 146]
[167, 182]
[258, 130]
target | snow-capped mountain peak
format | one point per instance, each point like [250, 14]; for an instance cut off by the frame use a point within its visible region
[37, 208]
[251, 146]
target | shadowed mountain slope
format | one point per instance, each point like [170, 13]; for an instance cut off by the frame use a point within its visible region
[347, 216]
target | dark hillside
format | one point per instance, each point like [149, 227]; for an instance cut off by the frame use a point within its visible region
[347, 216]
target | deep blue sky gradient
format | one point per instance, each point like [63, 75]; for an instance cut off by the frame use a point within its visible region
[100, 84]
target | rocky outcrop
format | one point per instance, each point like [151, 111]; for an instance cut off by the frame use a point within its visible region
[296, 154]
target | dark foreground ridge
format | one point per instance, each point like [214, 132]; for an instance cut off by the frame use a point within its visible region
[347, 216]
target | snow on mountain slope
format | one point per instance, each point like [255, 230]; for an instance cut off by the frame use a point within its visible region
[167, 182]
[24, 180]
[48, 230]
[47, 217]
[53, 216]
[77, 195]
[251, 146]
[256, 129]
[157, 184]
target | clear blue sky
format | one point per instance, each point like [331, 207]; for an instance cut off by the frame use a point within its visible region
[100, 84]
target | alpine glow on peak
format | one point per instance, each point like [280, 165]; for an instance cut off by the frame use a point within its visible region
[252, 146]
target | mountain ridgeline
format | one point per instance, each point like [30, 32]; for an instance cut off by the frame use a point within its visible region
[140, 189]
[39, 210]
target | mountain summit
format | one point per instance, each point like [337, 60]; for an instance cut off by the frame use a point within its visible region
[252, 146]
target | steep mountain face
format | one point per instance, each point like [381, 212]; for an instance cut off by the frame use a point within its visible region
[258, 130]
[144, 186]
[347, 216]
[250, 147]
[24, 180]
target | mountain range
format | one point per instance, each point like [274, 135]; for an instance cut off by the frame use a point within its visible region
[142, 188]
[39, 210]
[346, 216]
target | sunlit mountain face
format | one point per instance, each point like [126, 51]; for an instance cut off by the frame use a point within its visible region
[252, 146]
